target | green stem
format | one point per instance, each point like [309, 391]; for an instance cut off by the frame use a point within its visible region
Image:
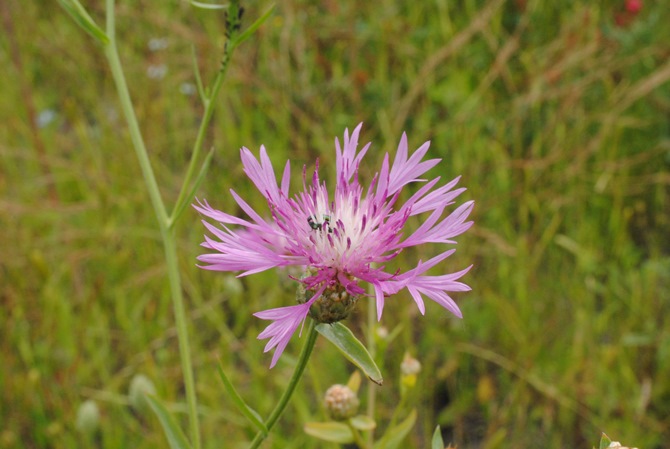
[292, 384]
[393, 420]
[372, 348]
[358, 439]
[129, 112]
[167, 235]
[228, 50]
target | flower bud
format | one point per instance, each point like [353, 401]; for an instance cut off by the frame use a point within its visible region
[341, 402]
[409, 370]
[88, 417]
[334, 304]
[382, 332]
[410, 366]
[232, 286]
[140, 387]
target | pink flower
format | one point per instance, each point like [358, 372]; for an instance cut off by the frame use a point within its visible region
[341, 241]
[633, 6]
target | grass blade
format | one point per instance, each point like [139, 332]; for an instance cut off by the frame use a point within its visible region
[179, 208]
[198, 77]
[207, 5]
[437, 441]
[604, 441]
[174, 434]
[85, 21]
[246, 34]
[251, 414]
[395, 435]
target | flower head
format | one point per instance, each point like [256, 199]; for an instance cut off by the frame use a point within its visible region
[341, 240]
[341, 402]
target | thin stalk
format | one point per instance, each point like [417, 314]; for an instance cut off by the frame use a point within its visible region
[358, 439]
[292, 384]
[114, 61]
[169, 243]
[372, 348]
[200, 138]
[394, 419]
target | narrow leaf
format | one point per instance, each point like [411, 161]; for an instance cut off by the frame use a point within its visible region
[352, 348]
[335, 432]
[207, 5]
[198, 78]
[175, 436]
[438, 442]
[246, 34]
[179, 208]
[251, 414]
[394, 436]
[86, 22]
[363, 422]
[354, 382]
[394, 333]
[604, 441]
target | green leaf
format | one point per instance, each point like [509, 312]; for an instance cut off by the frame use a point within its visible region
[181, 207]
[394, 333]
[246, 34]
[174, 435]
[604, 441]
[251, 414]
[363, 422]
[335, 432]
[198, 78]
[352, 348]
[437, 442]
[86, 22]
[354, 382]
[395, 435]
[207, 5]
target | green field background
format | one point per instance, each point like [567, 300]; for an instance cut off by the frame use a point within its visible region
[556, 114]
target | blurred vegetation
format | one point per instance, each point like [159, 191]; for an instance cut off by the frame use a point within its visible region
[555, 114]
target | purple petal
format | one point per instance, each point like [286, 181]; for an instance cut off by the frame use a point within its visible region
[285, 321]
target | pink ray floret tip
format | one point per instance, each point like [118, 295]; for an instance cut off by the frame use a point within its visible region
[343, 241]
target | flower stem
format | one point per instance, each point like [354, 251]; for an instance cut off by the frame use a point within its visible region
[372, 348]
[358, 439]
[168, 237]
[290, 388]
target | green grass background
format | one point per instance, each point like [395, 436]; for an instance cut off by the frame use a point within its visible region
[556, 117]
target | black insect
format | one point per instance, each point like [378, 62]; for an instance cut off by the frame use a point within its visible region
[315, 225]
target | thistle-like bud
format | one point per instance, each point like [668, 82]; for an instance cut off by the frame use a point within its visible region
[88, 417]
[140, 387]
[341, 402]
[334, 304]
[409, 370]
[232, 286]
[382, 332]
